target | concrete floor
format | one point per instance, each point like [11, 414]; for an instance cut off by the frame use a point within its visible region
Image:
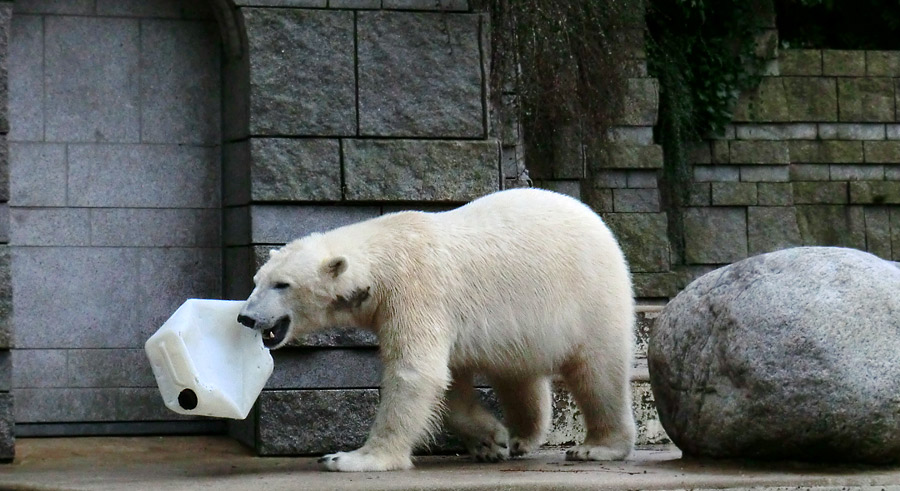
[158, 463]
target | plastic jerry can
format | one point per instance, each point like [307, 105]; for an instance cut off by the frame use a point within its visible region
[205, 363]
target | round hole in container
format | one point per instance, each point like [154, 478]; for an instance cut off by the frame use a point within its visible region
[187, 399]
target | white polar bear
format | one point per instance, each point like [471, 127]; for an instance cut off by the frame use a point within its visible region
[517, 286]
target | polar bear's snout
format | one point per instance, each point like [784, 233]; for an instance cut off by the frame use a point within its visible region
[274, 329]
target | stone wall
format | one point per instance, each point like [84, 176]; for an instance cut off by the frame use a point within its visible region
[813, 158]
[114, 204]
[7, 421]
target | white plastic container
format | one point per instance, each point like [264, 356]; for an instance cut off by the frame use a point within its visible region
[205, 363]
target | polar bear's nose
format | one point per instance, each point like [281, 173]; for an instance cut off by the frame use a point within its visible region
[247, 321]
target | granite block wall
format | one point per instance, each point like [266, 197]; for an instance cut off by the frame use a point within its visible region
[7, 421]
[327, 112]
[332, 112]
[114, 204]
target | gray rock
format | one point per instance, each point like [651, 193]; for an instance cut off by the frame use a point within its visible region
[786, 355]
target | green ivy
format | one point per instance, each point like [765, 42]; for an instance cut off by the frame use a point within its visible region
[704, 51]
[703, 54]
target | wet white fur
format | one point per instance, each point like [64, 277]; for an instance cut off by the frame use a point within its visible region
[517, 286]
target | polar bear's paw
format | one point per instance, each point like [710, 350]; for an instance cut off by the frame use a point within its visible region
[520, 446]
[597, 452]
[358, 461]
[491, 448]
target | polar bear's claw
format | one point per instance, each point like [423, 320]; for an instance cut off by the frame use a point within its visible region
[599, 452]
[358, 461]
[520, 447]
[490, 451]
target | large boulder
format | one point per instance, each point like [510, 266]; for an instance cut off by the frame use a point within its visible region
[793, 355]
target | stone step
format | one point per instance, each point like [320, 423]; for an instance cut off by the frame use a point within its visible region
[314, 421]
[323, 397]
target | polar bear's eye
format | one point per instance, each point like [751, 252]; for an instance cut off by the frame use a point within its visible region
[281, 286]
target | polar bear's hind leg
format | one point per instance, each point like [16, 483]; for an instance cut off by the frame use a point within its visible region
[601, 389]
[527, 409]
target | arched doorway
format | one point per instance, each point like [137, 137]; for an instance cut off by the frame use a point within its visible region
[115, 206]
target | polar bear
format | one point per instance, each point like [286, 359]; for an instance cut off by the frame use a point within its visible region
[517, 286]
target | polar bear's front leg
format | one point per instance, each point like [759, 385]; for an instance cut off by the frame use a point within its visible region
[411, 391]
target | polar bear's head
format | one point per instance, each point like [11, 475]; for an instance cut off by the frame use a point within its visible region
[300, 289]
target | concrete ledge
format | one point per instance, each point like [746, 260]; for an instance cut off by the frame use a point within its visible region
[222, 464]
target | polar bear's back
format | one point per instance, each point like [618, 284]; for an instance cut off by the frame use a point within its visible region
[531, 225]
[524, 208]
[536, 267]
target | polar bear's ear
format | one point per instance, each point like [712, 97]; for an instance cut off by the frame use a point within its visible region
[273, 252]
[335, 266]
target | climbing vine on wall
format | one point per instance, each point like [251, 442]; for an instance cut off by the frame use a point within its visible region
[702, 53]
[564, 61]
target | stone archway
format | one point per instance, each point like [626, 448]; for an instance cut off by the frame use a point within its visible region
[115, 200]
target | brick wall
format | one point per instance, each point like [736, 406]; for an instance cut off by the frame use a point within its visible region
[813, 158]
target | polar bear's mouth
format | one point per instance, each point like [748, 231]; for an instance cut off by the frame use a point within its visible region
[275, 335]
